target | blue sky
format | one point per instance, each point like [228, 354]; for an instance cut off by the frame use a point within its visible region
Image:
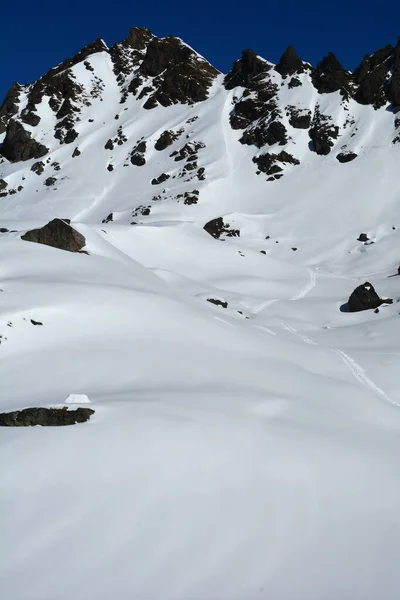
[37, 35]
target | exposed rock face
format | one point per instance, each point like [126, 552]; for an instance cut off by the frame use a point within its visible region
[245, 70]
[46, 417]
[19, 145]
[267, 163]
[180, 75]
[330, 76]
[137, 155]
[289, 63]
[139, 37]
[38, 167]
[217, 227]
[166, 139]
[365, 297]
[299, 118]
[30, 118]
[57, 234]
[322, 133]
[371, 76]
[9, 108]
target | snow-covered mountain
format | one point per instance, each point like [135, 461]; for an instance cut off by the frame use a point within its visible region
[245, 436]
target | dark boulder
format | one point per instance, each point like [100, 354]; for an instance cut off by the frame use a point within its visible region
[218, 302]
[46, 417]
[299, 118]
[289, 63]
[160, 179]
[3, 185]
[365, 297]
[217, 227]
[267, 163]
[294, 82]
[19, 145]
[363, 237]
[138, 159]
[108, 219]
[345, 157]
[166, 139]
[57, 234]
[38, 167]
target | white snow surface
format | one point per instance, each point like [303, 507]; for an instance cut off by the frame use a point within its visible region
[232, 455]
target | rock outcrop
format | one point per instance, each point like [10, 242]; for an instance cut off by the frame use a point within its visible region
[217, 228]
[57, 234]
[46, 417]
[19, 145]
[330, 76]
[365, 297]
[9, 107]
[179, 74]
[290, 63]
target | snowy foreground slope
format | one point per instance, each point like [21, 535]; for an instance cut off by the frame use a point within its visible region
[235, 453]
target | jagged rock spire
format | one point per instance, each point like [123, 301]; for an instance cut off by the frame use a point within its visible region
[245, 69]
[289, 63]
[330, 76]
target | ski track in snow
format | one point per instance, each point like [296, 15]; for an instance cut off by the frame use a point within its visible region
[298, 296]
[359, 374]
[263, 305]
[307, 289]
[302, 336]
[355, 368]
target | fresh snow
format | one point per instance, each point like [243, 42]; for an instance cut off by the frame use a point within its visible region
[234, 454]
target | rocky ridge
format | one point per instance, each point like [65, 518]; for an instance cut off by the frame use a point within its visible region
[267, 111]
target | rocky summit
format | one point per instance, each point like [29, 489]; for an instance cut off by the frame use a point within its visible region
[93, 108]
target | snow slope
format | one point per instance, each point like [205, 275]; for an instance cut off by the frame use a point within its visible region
[237, 453]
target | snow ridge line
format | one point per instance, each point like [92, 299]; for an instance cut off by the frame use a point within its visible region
[359, 374]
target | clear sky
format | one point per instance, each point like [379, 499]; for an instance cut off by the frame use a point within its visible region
[35, 36]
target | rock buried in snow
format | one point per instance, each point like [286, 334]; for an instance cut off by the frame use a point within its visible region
[57, 234]
[217, 227]
[46, 417]
[218, 302]
[77, 399]
[365, 297]
[363, 238]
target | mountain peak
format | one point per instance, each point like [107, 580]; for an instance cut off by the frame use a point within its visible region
[330, 76]
[289, 63]
[249, 66]
[139, 37]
